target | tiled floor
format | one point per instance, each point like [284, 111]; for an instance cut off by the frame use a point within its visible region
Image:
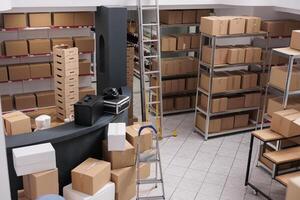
[194, 169]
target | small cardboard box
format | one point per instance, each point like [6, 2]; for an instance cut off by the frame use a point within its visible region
[183, 41]
[253, 54]
[170, 16]
[61, 41]
[25, 101]
[188, 16]
[41, 183]
[191, 83]
[39, 46]
[249, 80]
[16, 123]
[293, 188]
[235, 102]
[219, 83]
[278, 78]
[84, 67]
[273, 27]
[16, 48]
[202, 13]
[221, 54]
[90, 176]
[241, 120]
[214, 124]
[63, 19]
[145, 170]
[34, 159]
[84, 44]
[83, 91]
[217, 104]
[236, 25]
[227, 123]
[213, 25]
[120, 159]
[3, 74]
[45, 98]
[252, 99]
[16, 20]
[123, 177]
[236, 55]
[286, 122]
[195, 41]
[182, 103]
[253, 24]
[295, 40]
[40, 70]
[145, 137]
[116, 136]
[39, 19]
[7, 103]
[84, 19]
[168, 43]
[18, 72]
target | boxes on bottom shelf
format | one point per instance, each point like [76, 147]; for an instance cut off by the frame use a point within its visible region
[63, 19]
[219, 83]
[202, 13]
[40, 70]
[170, 16]
[7, 103]
[227, 123]
[217, 104]
[39, 46]
[83, 91]
[3, 74]
[145, 137]
[25, 101]
[16, 48]
[214, 25]
[84, 44]
[45, 98]
[18, 72]
[39, 19]
[61, 41]
[279, 74]
[236, 102]
[188, 16]
[214, 123]
[221, 54]
[275, 104]
[182, 103]
[168, 43]
[16, 123]
[15, 20]
[241, 120]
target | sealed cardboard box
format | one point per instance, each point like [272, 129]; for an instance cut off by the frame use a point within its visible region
[241, 120]
[219, 83]
[7, 103]
[191, 83]
[84, 44]
[217, 104]
[168, 104]
[183, 41]
[16, 48]
[145, 170]
[249, 80]
[84, 19]
[40, 70]
[83, 91]
[132, 133]
[39, 46]
[188, 16]
[90, 176]
[233, 80]
[61, 41]
[253, 24]
[25, 101]
[168, 43]
[39, 19]
[286, 122]
[273, 27]
[214, 124]
[182, 103]
[221, 54]
[202, 13]
[295, 40]
[236, 25]
[195, 41]
[253, 54]
[45, 98]
[63, 19]
[252, 99]
[236, 55]
[275, 104]
[42, 183]
[16, 20]
[213, 25]
[170, 16]
[227, 123]
[84, 67]
[3, 74]
[235, 102]
[278, 78]
[293, 188]
[18, 72]
[16, 123]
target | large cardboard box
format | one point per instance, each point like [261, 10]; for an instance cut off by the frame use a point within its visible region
[195, 41]
[132, 135]
[252, 99]
[295, 40]
[39, 46]
[214, 124]
[182, 103]
[188, 16]
[120, 159]
[18, 72]
[3, 74]
[253, 54]
[83, 91]
[84, 19]
[16, 123]
[213, 25]
[236, 55]
[25, 101]
[168, 43]
[221, 54]
[6, 103]
[275, 104]
[286, 122]
[278, 78]
[16, 48]
[233, 80]
[16, 20]
[249, 80]
[45, 98]
[41, 183]
[62, 41]
[40, 70]
[235, 102]
[63, 19]
[90, 176]
[293, 188]
[183, 41]
[217, 104]
[191, 83]
[219, 83]
[84, 44]
[170, 16]
[236, 25]
[253, 24]
[241, 120]
[227, 123]
[39, 19]
[84, 67]
[202, 13]
[273, 27]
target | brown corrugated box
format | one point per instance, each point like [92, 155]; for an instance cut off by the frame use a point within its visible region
[236, 25]
[84, 19]
[168, 43]
[16, 123]
[42, 183]
[249, 80]
[241, 120]
[195, 41]
[286, 122]
[3, 74]
[183, 41]
[16, 48]
[233, 80]
[45, 98]
[90, 176]
[235, 102]
[253, 54]
[219, 83]
[16, 20]
[182, 102]
[83, 91]
[84, 67]
[40, 70]
[274, 27]
[7, 103]
[236, 55]
[145, 137]
[18, 72]
[25, 101]
[188, 16]
[59, 41]
[202, 13]
[168, 104]
[275, 104]
[295, 40]
[63, 19]
[170, 16]
[217, 104]
[221, 54]
[39, 46]
[39, 19]
[227, 123]
[213, 25]
[191, 83]
[84, 44]
[252, 99]
[253, 24]
[214, 124]
[279, 74]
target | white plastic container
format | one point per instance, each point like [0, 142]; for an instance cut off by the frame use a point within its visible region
[116, 136]
[43, 122]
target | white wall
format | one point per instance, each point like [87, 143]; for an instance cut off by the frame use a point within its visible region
[5, 5]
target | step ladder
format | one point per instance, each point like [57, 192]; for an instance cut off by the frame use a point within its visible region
[150, 156]
[151, 95]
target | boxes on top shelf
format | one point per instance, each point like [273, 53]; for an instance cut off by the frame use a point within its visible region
[253, 24]
[39, 46]
[295, 40]
[63, 19]
[16, 20]
[18, 72]
[277, 28]
[278, 78]
[236, 25]
[40, 70]
[7, 103]
[25, 101]
[16, 48]
[84, 44]
[3, 74]
[188, 16]
[170, 16]
[16, 123]
[213, 25]
[202, 13]
[39, 19]
[84, 19]
[62, 41]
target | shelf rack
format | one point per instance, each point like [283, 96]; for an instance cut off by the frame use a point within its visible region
[43, 28]
[212, 68]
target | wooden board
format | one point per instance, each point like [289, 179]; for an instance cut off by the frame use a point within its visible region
[285, 178]
[267, 135]
[284, 156]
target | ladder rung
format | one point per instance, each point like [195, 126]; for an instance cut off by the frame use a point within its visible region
[147, 41]
[149, 181]
[152, 72]
[153, 87]
[149, 7]
[151, 24]
[152, 198]
[154, 102]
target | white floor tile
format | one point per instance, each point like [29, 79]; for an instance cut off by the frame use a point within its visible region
[182, 194]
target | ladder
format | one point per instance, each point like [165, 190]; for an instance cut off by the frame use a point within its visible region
[149, 156]
[151, 94]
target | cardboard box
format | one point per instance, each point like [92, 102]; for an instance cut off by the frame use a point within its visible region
[34, 159]
[168, 43]
[25, 101]
[233, 80]
[241, 120]
[3, 74]
[249, 80]
[236, 25]
[253, 24]
[275, 104]
[227, 123]
[191, 83]
[116, 137]
[217, 104]
[253, 54]
[61, 41]
[84, 19]
[7, 103]
[18, 72]
[236, 55]
[291, 25]
[45, 98]
[16, 48]
[83, 91]
[42, 183]
[295, 40]
[16, 20]
[39, 19]
[188, 16]
[40, 70]
[170, 16]
[145, 170]
[202, 13]
[293, 188]
[273, 27]
[120, 159]
[84, 67]
[90, 176]
[182, 103]
[39, 46]
[278, 78]
[183, 41]
[145, 137]
[219, 83]
[286, 122]
[221, 54]
[252, 99]
[63, 19]
[235, 102]
[168, 104]
[84, 44]
[16, 123]
[214, 124]
[195, 41]
[213, 25]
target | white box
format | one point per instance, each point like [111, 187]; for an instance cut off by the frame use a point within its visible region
[33, 159]
[116, 136]
[105, 193]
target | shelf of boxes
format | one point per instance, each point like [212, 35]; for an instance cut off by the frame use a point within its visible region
[44, 28]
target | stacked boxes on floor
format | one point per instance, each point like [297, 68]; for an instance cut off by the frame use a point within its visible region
[66, 70]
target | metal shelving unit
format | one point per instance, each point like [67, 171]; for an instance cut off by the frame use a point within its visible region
[211, 69]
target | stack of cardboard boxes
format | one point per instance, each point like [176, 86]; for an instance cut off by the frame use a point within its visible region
[280, 28]
[180, 42]
[182, 16]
